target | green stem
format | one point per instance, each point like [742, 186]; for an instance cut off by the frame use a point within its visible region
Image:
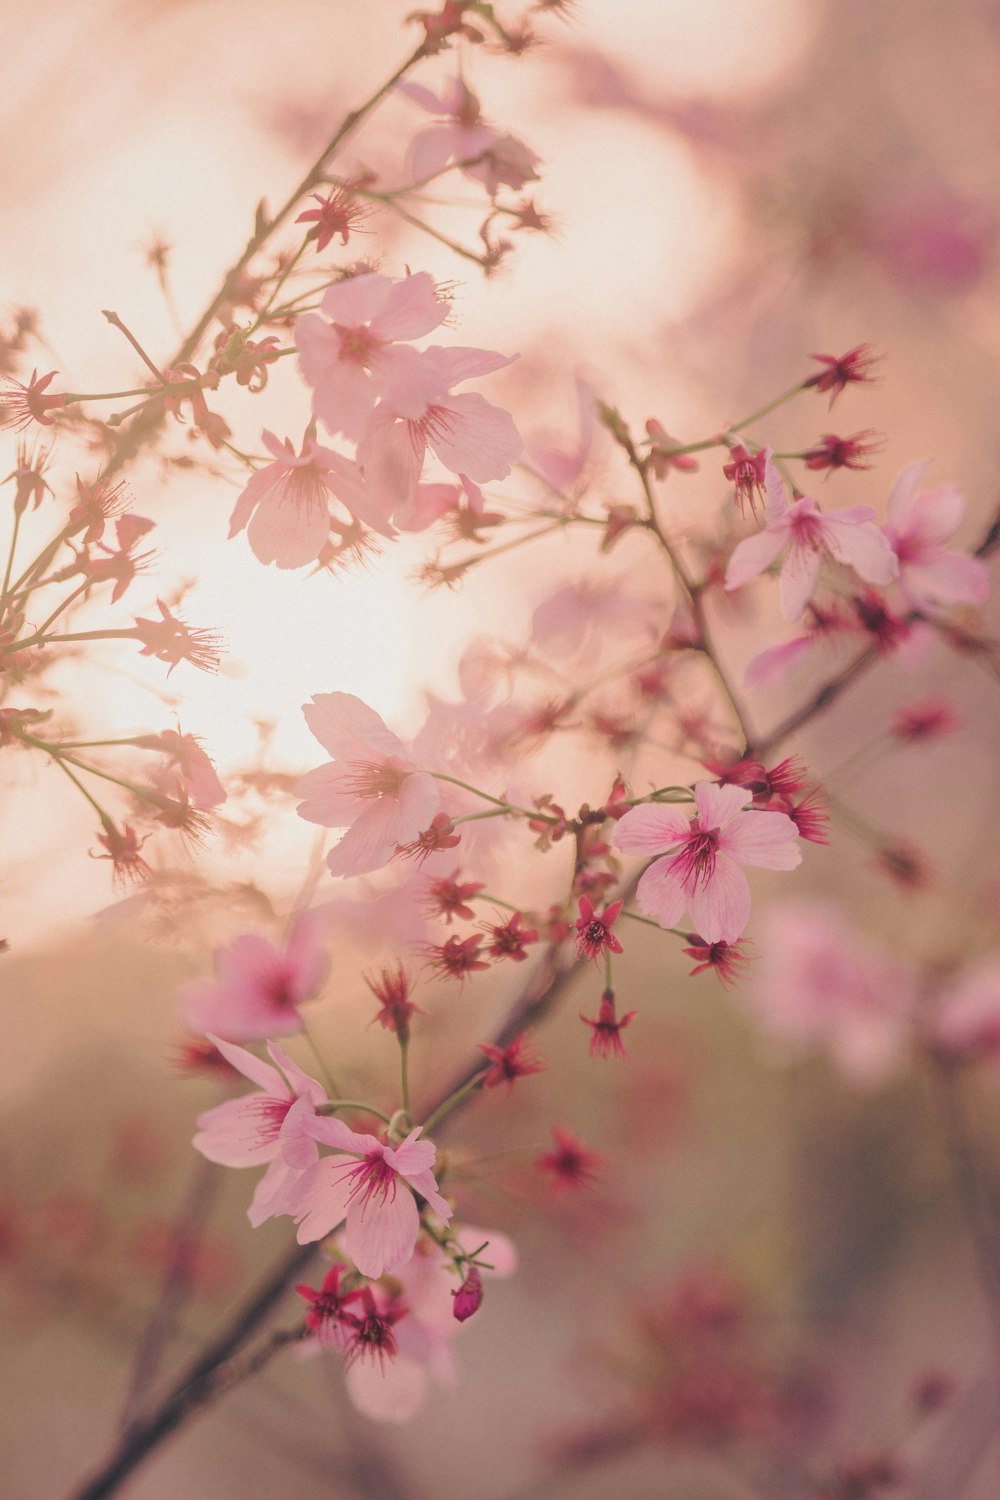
[452, 1102]
[764, 411]
[404, 1072]
[10, 560]
[507, 807]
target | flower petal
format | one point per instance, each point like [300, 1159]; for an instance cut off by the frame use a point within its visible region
[720, 908]
[651, 828]
[380, 1236]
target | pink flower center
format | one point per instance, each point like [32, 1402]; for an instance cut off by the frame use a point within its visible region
[807, 530]
[374, 1180]
[270, 1117]
[695, 861]
[365, 779]
[357, 344]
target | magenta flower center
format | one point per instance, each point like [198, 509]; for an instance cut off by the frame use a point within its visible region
[374, 1180]
[807, 530]
[695, 861]
[357, 344]
[270, 1117]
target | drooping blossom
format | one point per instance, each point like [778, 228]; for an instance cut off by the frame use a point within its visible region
[699, 870]
[338, 213]
[30, 485]
[847, 535]
[727, 960]
[447, 897]
[746, 471]
[607, 1027]
[97, 504]
[258, 987]
[456, 957]
[931, 576]
[189, 771]
[269, 1126]
[507, 1064]
[352, 350]
[425, 1338]
[370, 787]
[840, 371]
[419, 410]
[329, 1318]
[122, 847]
[462, 138]
[510, 939]
[820, 984]
[171, 640]
[285, 507]
[119, 564]
[469, 1297]
[392, 991]
[21, 404]
[370, 1185]
[832, 452]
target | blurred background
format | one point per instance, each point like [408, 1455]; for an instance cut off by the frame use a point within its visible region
[736, 185]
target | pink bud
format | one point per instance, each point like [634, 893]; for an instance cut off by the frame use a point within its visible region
[469, 1296]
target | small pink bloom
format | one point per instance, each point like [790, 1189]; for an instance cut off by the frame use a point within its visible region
[570, 1163]
[846, 535]
[931, 576]
[746, 470]
[350, 352]
[329, 1318]
[190, 773]
[700, 868]
[606, 1029]
[930, 719]
[468, 1297]
[819, 984]
[593, 933]
[286, 505]
[727, 960]
[370, 787]
[338, 213]
[171, 640]
[21, 405]
[462, 138]
[469, 435]
[268, 1126]
[508, 1064]
[120, 565]
[257, 988]
[832, 452]
[370, 1185]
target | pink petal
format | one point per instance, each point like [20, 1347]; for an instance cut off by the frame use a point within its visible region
[660, 893]
[465, 364]
[258, 1072]
[799, 577]
[412, 1155]
[333, 1132]
[391, 453]
[904, 493]
[754, 555]
[290, 529]
[273, 1193]
[320, 1199]
[370, 843]
[651, 828]
[951, 578]
[230, 1134]
[720, 908]
[434, 104]
[769, 840]
[380, 1236]
[476, 438]
[501, 1251]
[349, 729]
[325, 801]
[295, 1140]
[419, 800]
[394, 1393]
[769, 668]
[412, 309]
[774, 488]
[425, 1184]
[302, 1085]
[862, 547]
[718, 805]
[357, 300]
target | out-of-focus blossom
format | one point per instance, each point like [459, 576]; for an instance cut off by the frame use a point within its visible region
[570, 1163]
[370, 786]
[832, 452]
[700, 868]
[966, 1019]
[840, 371]
[508, 1064]
[190, 772]
[258, 988]
[171, 640]
[21, 405]
[819, 984]
[931, 576]
[847, 535]
[462, 138]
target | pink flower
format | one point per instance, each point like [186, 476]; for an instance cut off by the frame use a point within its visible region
[268, 1126]
[370, 787]
[257, 987]
[350, 354]
[122, 565]
[286, 505]
[930, 576]
[469, 435]
[190, 773]
[967, 1022]
[426, 1336]
[821, 985]
[170, 639]
[370, 1185]
[462, 138]
[700, 871]
[846, 535]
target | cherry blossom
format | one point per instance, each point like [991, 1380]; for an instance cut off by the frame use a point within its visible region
[462, 138]
[267, 1126]
[370, 1184]
[469, 435]
[285, 507]
[966, 1021]
[931, 576]
[847, 535]
[370, 787]
[352, 351]
[700, 869]
[258, 988]
[820, 984]
[425, 1338]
